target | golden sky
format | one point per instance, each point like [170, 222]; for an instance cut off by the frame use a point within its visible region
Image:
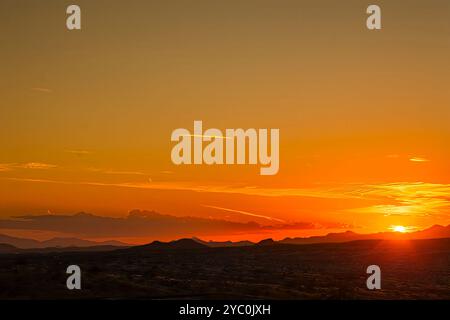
[86, 116]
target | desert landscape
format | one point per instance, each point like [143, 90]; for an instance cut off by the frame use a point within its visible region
[191, 269]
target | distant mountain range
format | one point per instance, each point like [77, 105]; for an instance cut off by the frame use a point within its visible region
[16, 245]
[23, 243]
[7, 248]
[177, 244]
[435, 232]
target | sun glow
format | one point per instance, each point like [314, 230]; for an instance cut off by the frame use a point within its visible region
[401, 229]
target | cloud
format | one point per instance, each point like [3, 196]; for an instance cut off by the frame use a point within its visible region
[29, 165]
[403, 198]
[409, 199]
[326, 193]
[117, 172]
[434, 193]
[45, 90]
[129, 173]
[5, 167]
[186, 186]
[37, 165]
[43, 166]
[78, 152]
[167, 172]
[139, 224]
[418, 159]
[244, 213]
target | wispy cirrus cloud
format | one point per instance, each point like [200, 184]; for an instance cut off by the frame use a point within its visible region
[411, 199]
[141, 223]
[41, 89]
[37, 165]
[117, 172]
[46, 166]
[129, 173]
[78, 152]
[417, 199]
[418, 159]
[244, 213]
[393, 156]
[5, 167]
[28, 165]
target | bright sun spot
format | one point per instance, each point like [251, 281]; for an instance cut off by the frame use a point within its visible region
[399, 229]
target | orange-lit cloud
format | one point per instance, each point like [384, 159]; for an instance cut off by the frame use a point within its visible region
[29, 165]
[412, 199]
[78, 152]
[418, 159]
[404, 199]
[5, 167]
[37, 165]
[141, 224]
[45, 90]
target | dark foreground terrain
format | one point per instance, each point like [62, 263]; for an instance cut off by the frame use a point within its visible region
[418, 269]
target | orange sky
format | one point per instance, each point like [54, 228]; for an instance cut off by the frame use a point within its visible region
[86, 116]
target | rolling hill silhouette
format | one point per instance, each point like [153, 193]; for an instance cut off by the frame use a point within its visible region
[23, 243]
[13, 244]
[185, 269]
[7, 248]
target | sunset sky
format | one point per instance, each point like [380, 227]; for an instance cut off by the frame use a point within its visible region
[86, 116]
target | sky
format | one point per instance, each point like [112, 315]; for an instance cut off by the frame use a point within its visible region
[86, 116]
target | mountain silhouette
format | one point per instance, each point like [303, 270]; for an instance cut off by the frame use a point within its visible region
[75, 242]
[23, 243]
[7, 248]
[434, 232]
[176, 244]
[219, 244]
[266, 242]
[19, 242]
[13, 244]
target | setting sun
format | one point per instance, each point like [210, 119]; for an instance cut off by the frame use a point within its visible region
[401, 229]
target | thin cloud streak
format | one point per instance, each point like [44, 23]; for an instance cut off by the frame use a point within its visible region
[418, 159]
[174, 186]
[37, 165]
[29, 165]
[244, 213]
[5, 167]
[78, 152]
[45, 90]
[116, 172]
[141, 223]
[413, 199]
[410, 198]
